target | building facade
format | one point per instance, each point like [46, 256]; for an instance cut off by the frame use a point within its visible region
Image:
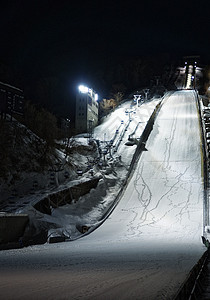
[11, 100]
[86, 117]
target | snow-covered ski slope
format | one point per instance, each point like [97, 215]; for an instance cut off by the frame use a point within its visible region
[165, 194]
[147, 246]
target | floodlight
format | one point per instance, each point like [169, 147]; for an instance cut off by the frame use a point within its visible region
[83, 89]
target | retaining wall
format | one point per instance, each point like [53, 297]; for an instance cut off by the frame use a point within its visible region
[12, 227]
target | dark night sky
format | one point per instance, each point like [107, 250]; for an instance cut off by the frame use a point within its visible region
[73, 37]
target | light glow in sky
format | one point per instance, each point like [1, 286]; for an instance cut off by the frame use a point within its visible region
[83, 89]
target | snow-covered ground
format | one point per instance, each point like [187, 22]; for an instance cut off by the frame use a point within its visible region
[126, 121]
[149, 243]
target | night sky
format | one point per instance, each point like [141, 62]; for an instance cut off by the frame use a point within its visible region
[73, 38]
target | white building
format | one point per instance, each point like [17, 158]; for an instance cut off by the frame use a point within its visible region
[86, 117]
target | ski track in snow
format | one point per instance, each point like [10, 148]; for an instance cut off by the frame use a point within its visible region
[148, 244]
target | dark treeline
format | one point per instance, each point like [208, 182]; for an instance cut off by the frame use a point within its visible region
[54, 89]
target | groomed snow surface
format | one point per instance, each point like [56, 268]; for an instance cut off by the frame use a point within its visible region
[149, 243]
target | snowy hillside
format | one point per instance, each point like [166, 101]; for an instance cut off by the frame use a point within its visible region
[107, 158]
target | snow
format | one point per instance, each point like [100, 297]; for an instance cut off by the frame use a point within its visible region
[149, 242]
[91, 207]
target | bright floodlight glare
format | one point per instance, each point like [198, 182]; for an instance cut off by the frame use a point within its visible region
[96, 97]
[83, 89]
[90, 91]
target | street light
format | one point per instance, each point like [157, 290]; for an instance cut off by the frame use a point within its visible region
[86, 90]
[83, 89]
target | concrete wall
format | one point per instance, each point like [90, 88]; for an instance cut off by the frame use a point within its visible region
[12, 227]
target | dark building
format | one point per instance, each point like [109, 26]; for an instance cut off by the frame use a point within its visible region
[86, 117]
[11, 100]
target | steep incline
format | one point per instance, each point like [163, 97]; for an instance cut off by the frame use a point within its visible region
[146, 247]
[164, 196]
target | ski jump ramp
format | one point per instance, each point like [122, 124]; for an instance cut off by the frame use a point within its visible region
[151, 240]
